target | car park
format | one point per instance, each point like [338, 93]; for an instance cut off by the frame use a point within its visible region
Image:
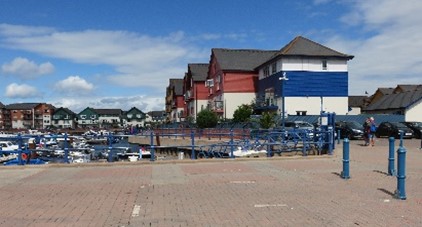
[416, 127]
[393, 129]
[349, 129]
[300, 126]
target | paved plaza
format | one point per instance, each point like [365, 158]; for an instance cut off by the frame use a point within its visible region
[278, 191]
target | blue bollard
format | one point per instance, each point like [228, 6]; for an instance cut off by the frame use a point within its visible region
[391, 169]
[152, 147]
[66, 149]
[192, 137]
[330, 142]
[20, 161]
[400, 193]
[110, 148]
[231, 144]
[346, 159]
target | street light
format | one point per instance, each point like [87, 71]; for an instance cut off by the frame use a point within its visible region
[283, 78]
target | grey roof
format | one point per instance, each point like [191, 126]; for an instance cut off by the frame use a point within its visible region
[178, 86]
[198, 71]
[396, 100]
[157, 113]
[301, 46]
[22, 106]
[2, 105]
[386, 90]
[407, 87]
[108, 111]
[358, 101]
[241, 59]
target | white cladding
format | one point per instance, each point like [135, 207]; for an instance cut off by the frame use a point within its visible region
[313, 105]
[233, 100]
[413, 113]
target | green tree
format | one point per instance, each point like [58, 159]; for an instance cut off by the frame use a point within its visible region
[267, 120]
[242, 113]
[206, 119]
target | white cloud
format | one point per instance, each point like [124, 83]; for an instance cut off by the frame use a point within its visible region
[127, 53]
[388, 52]
[21, 91]
[27, 69]
[74, 85]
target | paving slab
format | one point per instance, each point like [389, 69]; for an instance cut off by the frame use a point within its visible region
[278, 191]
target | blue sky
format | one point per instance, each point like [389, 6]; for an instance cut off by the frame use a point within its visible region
[120, 54]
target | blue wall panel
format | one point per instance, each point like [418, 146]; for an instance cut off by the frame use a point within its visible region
[305, 83]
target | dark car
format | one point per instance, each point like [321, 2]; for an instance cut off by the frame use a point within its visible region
[301, 126]
[393, 129]
[349, 129]
[416, 127]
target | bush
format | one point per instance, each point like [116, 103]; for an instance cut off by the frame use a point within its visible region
[242, 113]
[267, 120]
[206, 119]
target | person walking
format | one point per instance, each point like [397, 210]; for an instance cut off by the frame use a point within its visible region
[367, 131]
[372, 129]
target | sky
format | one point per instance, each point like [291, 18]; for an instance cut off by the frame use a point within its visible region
[121, 54]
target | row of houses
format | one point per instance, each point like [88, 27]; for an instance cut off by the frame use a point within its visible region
[44, 115]
[302, 78]
[307, 76]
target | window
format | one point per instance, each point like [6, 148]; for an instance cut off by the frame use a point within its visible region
[266, 71]
[83, 117]
[324, 64]
[274, 68]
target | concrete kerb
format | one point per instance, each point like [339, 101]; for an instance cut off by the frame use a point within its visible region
[176, 161]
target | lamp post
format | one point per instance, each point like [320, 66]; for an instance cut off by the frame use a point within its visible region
[283, 78]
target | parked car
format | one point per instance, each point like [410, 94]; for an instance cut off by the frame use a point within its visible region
[349, 129]
[393, 129]
[300, 126]
[416, 127]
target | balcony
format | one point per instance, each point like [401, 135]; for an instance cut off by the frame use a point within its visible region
[266, 104]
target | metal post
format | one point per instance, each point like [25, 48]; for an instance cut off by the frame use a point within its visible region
[231, 144]
[331, 141]
[152, 146]
[283, 78]
[400, 193]
[20, 161]
[66, 149]
[391, 169]
[338, 136]
[110, 148]
[346, 159]
[192, 137]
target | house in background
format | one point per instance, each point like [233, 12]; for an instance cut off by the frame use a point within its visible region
[404, 100]
[5, 117]
[316, 79]
[109, 118]
[175, 101]
[357, 104]
[23, 115]
[155, 117]
[43, 114]
[64, 118]
[87, 118]
[134, 117]
[232, 78]
[195, 92]
[379, 93]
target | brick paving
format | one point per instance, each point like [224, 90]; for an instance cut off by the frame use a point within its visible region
[280, 191]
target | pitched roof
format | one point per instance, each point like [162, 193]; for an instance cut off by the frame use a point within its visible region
[157, 113]
[396, 100]
[358, 101]
[2, 105]
[241, 59]
[198, 71]
[301, 46]
[108, 111]
[178, 86]
[22, 106]
[385, 90]
[407, 87]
